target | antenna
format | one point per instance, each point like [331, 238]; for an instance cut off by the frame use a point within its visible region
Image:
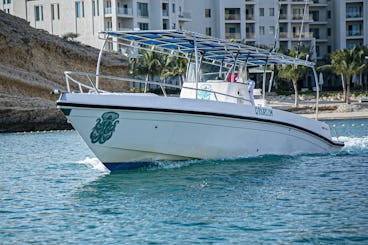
[301, 29]
[277, 27]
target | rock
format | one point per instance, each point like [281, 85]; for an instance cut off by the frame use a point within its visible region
[32, 64]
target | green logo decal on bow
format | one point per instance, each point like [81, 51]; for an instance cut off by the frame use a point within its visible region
[104, 128]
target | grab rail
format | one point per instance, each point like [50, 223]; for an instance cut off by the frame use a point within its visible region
[92, 88]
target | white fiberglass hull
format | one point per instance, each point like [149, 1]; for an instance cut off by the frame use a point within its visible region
[126, 130]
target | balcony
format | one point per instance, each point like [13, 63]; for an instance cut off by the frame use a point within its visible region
[185, 16]
[108, 11]
[232, 16]
[125, 11]
[302, 17]
[295, 35]
[249, 17]
[165, 12]
[319, 3]
[302, 35]
[301, 2]
[250, 35]
[354, 15]
[230, 35]
[355, 33]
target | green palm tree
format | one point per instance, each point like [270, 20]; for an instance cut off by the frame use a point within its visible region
[347, 63]
[293, 73]
[149, 64]
[175, 66]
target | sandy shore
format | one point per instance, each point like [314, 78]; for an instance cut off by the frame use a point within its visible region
[328, 110]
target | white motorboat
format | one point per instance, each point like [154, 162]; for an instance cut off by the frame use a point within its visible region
[208, 119]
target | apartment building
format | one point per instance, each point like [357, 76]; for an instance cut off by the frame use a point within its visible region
[323, 25]
[87, 17]
[351, 28]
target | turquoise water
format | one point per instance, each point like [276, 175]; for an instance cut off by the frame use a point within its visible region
[54, 191]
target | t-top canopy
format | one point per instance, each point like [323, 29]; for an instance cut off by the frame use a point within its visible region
[211, 50]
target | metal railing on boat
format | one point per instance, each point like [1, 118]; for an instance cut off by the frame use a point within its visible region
[90, 85]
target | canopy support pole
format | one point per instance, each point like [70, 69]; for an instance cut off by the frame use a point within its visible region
[264, 81]
[196, 64]
[99, 62]
[317, 89]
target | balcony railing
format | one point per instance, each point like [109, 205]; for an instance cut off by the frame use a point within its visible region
[185, 15]
[296, 35]
[301, 17]
[229, 35]
[125, 11]
[165, 12]
[108, 10]
[249, 17]
[354, 33]
[232, 16]
[251, 35]
[303, 34]
[354, 15]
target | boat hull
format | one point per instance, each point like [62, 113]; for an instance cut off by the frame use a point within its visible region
[130, 136]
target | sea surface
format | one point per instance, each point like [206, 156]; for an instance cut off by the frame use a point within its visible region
[54, 191]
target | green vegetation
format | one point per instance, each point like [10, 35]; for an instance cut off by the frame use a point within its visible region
[294, 73]
[151, 64]
[70, 36]
[347, 63]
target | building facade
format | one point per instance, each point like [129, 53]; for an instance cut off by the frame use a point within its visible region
[87, 17]
[322, 25]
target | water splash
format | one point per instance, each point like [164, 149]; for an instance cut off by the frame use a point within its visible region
[94, 163]
[356, 144]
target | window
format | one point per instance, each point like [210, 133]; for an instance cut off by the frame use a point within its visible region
[142, 10]
[329, 32]
[165, 25]
[39, 13]
[55, 11]
[208, 31]
[173, 26]
[79, 9]
[98, 7]
[354, 30]
[109, 26]
[272, 30]
[9, 1]
[329, 49]
[165, 10]
[318, 51]
[315, 32]
[52, 12]
[315, 15]
[354, 12]
[94, 7]
[173, 7]
[329, 14]
[272, 12]
[143, 26]
[261, 11]
[207, 13]
[261, 30]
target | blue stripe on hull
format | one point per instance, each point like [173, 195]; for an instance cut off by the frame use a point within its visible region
[126, 165]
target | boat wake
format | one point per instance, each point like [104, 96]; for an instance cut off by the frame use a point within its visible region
[94, 163]
[354, 144]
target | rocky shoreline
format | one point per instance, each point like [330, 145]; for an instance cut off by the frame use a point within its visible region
[32, 64]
